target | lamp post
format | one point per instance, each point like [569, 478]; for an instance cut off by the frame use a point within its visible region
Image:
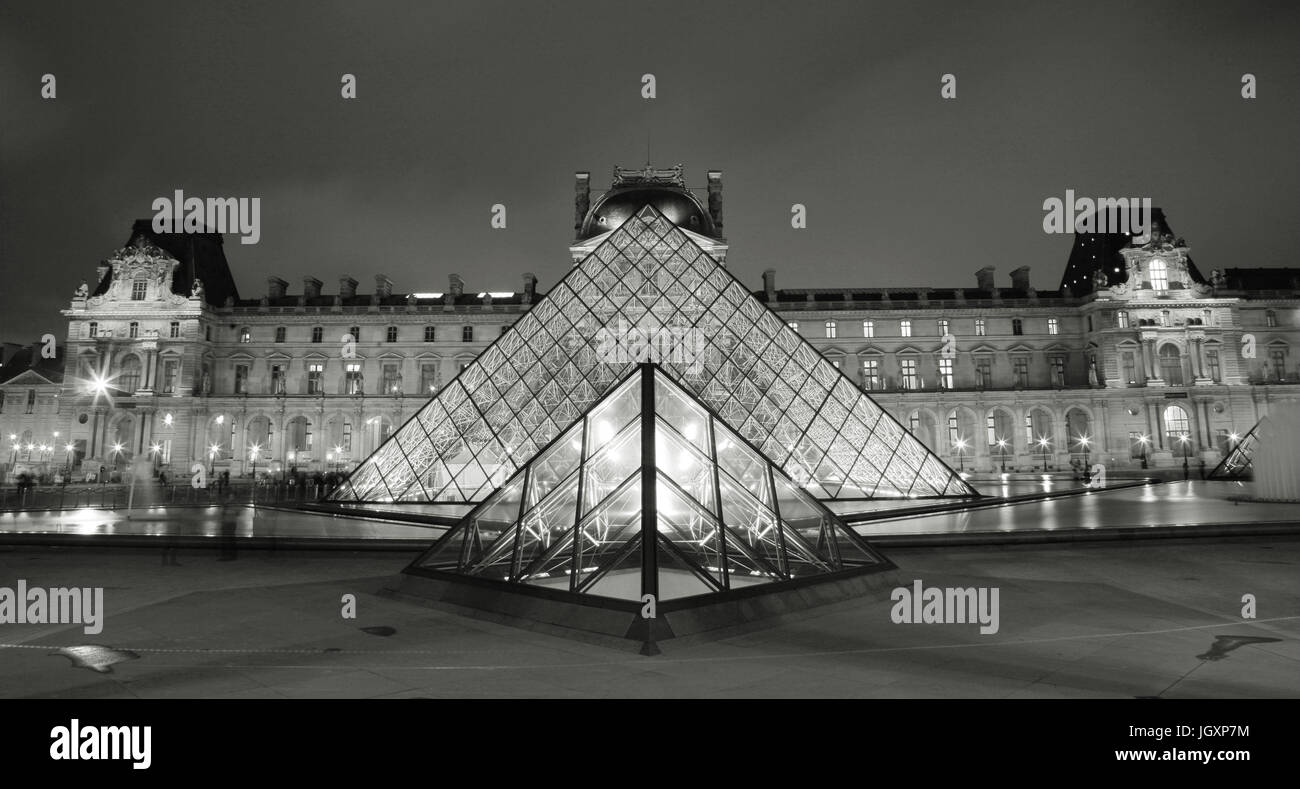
[1087, 470]
[1002, 453]
[213, 451]
[1186, 441]
[68, 449]
[1043, 443]
[960, 443]
[253, 452]
[117, 451]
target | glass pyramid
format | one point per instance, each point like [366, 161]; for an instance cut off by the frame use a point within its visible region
[648, 292]
[1237, 464]
[648, 465]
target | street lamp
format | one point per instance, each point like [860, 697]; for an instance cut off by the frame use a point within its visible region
[213, 451]
[252, 455]
[1087, 470]
[961, 454]
[1144, 441]
[1186, 441]
[1002, 452]
[68, 449]
[117, 451]
[1043, 443]
[338, 453]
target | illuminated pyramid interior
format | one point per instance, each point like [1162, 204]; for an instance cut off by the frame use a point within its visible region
[1237, 464]
[648, 493]
[725, 348]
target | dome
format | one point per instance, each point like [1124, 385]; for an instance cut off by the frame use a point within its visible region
[615, 206]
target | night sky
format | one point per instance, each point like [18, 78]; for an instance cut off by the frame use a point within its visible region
[463, 105]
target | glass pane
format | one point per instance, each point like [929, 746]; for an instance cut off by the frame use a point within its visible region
[545, 524]
[690, 469]
[611, 465]
[691, 530]
[604, 534]
[687, 418]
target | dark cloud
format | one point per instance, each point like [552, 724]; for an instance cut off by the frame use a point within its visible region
[463, 105]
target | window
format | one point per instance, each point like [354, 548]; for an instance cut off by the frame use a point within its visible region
[279, 333]
[430, 334]
[991, 430]
[171, 369]
[1207, 317]
[984, 372]
[1029, 429]
[1058, 370]
[1177, 427]
[355, 331]
[980, 330]
[954, 430]
[793, 325]
[467, 334]
[1017, 326]
[207, 334]
[945, 373]
[831, 330]
[138, 289]
[245, 335]
[1053, 326]
[1277, 360]
[914, 422]
[241, 379]
[1164, 318]
[1130, 368]
[1171, 365]
[870, 374]
[133, 330]
[174, 330]
[391, 335]
[94, 330]
[1089, 324]
[1020, 366]
[910, 380]
[346, 444]
[430, 377]
[1212, 361]
[905, 328]
[317, 334]
[943, 326]
[315, 377]
[1270, 319]
[353, 382]
[31, 401]
[277, 379]
[1121, 319]
[1159, 275]
[868, 328]
[392, 379]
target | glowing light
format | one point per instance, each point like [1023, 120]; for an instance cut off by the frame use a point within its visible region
[253, 451]
[214, 450]
[221, 419]
[1084, 440]
[69, 447]
[155, 448]
[1232, 436]
[167, 419]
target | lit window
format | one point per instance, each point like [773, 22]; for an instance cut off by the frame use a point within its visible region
[870, 374]
[245, 335]
[910, 380]
[1053, 327]
[353, 382]
[984, 372]
[1159, 275]
[943, 326]
[980, 331]
[831, 329]
[315, 374]
[1270, 319]
[241, 378]
[945, 373]
[905, 328]
[1121, 319]
[868, 329]
[430, 378]
[793, 325]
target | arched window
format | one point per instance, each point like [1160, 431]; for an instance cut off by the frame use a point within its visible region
[1171, 365]
[1159, 275]
[1177, 428]
[129, 379]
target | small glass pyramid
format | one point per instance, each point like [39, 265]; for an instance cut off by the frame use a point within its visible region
[648, 465]
[1238, 463]
[648, 292]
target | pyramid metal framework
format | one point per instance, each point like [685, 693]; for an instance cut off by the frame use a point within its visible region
[1238, 463]
[648, 292]
[648, 493]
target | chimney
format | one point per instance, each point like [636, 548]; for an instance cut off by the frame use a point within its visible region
[383, 286]
[1020, 278]
[769, 285]
[311, 287]
[984, 278]
[715, 199]
[581, 199]
[276, 288]
[347, 287]
[530, 287]
[456, 285]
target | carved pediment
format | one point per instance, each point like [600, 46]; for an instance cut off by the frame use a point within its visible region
[140, 261]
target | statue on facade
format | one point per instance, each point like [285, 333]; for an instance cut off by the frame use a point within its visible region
[196, 290]
[1099, 279]
[83, 290]
[1092, 371]
[1217, 280]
